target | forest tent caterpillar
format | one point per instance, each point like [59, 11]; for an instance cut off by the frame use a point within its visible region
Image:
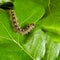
[16, 26]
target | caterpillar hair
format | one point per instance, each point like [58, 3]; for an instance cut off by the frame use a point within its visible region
[16, 26]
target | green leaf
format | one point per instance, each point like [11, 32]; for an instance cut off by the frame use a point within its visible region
[36, 44]
[28, 12]
[43, 42]
[11, 43]
[51, 22]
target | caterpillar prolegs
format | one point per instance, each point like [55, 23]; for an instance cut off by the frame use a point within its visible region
[16, 26]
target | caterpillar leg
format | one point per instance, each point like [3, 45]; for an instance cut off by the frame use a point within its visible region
[16, 26]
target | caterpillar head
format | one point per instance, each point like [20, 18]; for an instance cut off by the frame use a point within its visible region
[6, 4]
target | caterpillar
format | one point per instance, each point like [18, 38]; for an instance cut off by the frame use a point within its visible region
[8, 6]
[16, 26]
